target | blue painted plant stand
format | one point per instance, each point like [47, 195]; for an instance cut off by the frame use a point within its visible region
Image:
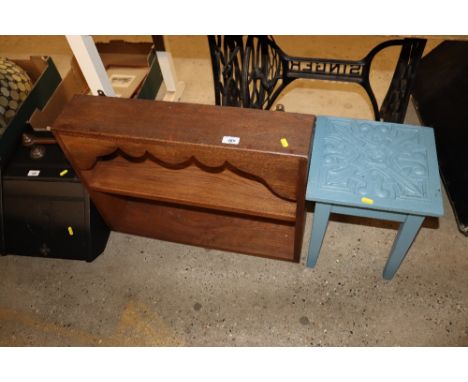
[373, 169]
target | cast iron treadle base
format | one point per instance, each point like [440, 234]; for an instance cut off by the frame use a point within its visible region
[252, 71]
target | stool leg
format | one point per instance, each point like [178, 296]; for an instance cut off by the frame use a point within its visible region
[319, 226]
[405, 237]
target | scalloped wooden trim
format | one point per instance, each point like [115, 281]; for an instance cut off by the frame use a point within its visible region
[278, 173]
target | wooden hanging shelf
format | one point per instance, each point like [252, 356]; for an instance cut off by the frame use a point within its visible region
[161, 170]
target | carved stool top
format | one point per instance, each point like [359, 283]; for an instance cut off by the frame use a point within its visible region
[376, 165]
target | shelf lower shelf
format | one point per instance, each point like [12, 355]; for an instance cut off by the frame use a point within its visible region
[198, 226]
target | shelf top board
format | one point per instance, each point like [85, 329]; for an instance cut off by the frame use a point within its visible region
[227, 127]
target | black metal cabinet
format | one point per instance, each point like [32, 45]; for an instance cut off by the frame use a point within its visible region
[47, 211]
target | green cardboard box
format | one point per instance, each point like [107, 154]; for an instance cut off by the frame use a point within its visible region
[114, 54]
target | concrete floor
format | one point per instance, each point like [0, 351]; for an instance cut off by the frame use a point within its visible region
[148, 292]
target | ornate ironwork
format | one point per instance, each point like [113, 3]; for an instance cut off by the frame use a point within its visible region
[252, 71]
[226, 59]
[262, 79]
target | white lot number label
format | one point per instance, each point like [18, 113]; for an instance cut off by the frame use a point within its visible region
[34, 172]
[230, 140]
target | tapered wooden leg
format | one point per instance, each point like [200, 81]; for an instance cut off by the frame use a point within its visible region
[319, 226]
[405, 237]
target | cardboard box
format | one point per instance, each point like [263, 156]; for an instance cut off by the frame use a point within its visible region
[123, 60]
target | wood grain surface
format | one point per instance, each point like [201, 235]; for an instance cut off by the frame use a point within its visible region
[258, 130]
